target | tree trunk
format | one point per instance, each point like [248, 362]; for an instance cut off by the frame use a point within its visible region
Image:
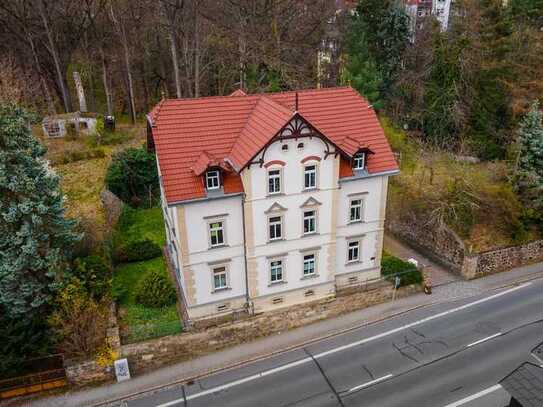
[48, 97]
[105, 81]
[175, 62]
[129, 82]
[56, 60]
[196, 51]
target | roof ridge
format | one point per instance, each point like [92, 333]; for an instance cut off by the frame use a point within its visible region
[262, 98]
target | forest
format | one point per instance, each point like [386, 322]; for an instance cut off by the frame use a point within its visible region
[461, 108]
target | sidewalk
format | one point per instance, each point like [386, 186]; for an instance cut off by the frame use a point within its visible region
[283, 341]
[439, 275]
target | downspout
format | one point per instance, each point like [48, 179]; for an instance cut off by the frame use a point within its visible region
[247, 298]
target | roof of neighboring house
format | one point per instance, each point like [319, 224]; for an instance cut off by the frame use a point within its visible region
[191, 135]
[525, 384]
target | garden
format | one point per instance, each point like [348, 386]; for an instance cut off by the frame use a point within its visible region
[141, 285]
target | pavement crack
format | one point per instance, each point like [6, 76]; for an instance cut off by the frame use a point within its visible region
[325, 378]
[418, 333]
[368, 371]
[405, 354]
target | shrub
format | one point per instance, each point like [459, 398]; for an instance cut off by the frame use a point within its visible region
[392, 266]
[155, 290]
[137, 250]
[95, 275]
[133, 177]
[79, 321]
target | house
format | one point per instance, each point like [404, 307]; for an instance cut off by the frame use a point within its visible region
[525, 385]
[270, 200]
[418, 10]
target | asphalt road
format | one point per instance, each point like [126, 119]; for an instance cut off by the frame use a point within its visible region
[447, 355]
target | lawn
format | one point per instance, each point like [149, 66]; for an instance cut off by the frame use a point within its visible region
[138, 322]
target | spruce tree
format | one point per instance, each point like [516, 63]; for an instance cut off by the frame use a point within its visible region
[529, 180]
[34, 234]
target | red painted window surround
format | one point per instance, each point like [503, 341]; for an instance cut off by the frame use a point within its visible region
[274, 162]
[310, 158]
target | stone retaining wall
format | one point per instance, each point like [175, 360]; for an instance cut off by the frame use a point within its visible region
[494, 261]
[439, 243]
[159, 352]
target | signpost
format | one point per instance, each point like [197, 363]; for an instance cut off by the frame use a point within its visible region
[397, 281]
[121, 370]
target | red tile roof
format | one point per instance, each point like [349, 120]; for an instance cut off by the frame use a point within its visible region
[191, 134]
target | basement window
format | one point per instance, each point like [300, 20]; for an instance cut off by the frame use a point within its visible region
[277, 300]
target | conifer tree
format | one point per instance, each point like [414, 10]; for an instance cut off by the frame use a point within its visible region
[529, 180]
[35, 237]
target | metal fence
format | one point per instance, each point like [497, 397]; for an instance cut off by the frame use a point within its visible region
[38, 375]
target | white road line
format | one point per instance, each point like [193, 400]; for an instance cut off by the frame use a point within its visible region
[342, 348]
[361, 386]
[419, 322]
[484, 340]
[475, 396]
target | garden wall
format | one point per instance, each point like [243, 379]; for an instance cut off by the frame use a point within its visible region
[155, 353]
[493, 261]
[440, 244]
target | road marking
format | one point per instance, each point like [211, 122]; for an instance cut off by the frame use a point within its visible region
[419, 322]
[475, 396]
[484, 340]
[361, 386]
[342, 348]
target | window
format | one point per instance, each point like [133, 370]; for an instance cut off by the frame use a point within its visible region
[309, 264]
[284, 147]
[355, 212]
[310, 176]
[276, 271]
[275, 224]
[310, 222]
[219, 278]
[359, 161]
[353, 252]
[212, 179]
[274, 181]
[216, 234]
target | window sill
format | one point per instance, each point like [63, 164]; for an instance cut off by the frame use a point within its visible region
[276, 283]
[309, 276]
[349, 263]
[275, 194]
[282, 239]
[309, 234]
[312, 189]
[354, 222]
[220, 246]
[220, 290]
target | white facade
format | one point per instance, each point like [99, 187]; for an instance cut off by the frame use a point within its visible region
[255, 269]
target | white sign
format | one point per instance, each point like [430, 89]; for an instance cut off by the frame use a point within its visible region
[121, 370]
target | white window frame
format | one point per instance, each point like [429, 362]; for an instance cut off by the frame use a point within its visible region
[280, 266]
[278, 177]
[308, 261]
[224, 272]
[315, 174]
[360, 208]
[356, 245]
[210, 231]
[275, 223]
[359, 161]
[313, 217]
[215, 177]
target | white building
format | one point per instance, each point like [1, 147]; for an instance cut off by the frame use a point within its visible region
[271, 200]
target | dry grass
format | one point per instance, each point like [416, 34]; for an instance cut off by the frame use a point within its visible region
[476, 200]
[82, 181]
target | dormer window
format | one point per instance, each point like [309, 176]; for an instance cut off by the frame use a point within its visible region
[212, 179]
[359, 161]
